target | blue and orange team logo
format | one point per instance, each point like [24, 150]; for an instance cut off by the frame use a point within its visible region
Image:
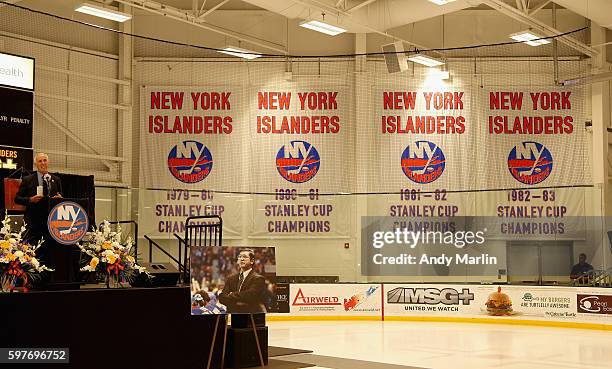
[190, 161]
[530, 162]
[423, 162]
[298, 161]
[67, 223]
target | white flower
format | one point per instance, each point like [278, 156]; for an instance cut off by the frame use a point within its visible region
[108, 252]
[140, 269]
[19, 254]
[35, 263]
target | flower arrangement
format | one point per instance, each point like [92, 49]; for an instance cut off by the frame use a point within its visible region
[18, 263]
[111, 257]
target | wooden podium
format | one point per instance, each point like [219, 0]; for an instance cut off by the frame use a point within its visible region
[11, 187]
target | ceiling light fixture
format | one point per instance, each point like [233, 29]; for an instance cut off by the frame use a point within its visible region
[322, 27]
[425, 60]
[441, 2]
[101, 12]
[439, 74]
[530, 38]
[239, 52]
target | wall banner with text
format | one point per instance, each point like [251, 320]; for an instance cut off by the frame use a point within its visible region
[16, 117]
[192, 141]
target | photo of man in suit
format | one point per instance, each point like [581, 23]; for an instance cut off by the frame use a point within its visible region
[34, 192]
[245, 291]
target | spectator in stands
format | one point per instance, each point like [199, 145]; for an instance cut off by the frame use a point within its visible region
[580, 270]
[198, 303]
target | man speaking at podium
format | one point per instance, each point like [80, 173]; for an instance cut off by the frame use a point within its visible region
[33, 193]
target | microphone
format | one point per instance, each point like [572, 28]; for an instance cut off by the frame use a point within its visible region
[47, 179]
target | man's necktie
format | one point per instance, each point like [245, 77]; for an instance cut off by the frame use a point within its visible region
[240, 280]
[45, 188]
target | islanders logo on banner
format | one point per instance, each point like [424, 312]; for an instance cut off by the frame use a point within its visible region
[67, 222]
[190, 161]
[298, 161]
[423, 162]
[530, 162]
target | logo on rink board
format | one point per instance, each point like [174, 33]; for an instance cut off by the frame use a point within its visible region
[190, 161]
[530, 162]
[429, 296]
[357, 299]
[67, 222]
[302, 300]
[423, 162]
[594, 304]
[298, 161]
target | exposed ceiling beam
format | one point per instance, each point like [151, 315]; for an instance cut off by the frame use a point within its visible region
[361, 5]
[519, 5]
[540, 26]
[538, 8]
[188, 17]
[202, 7]
[9, 2]
[201, 16]
[349, 19]
[322, 6]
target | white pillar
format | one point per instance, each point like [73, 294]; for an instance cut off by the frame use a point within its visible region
[600, 98]
[600, 110]
[361, 95]
[126, 205]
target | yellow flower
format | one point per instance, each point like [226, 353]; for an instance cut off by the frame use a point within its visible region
[111, 259]
[130, 258]
[11, 257]
[94, 263]
[4, 244]
[106, 245]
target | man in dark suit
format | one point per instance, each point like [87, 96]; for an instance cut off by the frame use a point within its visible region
[34, 193]
[244, 292]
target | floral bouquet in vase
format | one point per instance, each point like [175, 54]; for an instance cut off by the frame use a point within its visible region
[110, 257]
[18, 263]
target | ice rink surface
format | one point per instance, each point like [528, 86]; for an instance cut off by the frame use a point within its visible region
[448, 345]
